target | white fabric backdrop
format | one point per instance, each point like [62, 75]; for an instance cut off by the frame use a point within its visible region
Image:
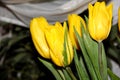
[54, 10]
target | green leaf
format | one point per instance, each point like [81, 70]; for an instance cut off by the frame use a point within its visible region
[51, 68]
[63, 76]
[112, 75]
[92, 50]
[104, 65]
[86, 19]
[69, 71]
[65, 46]
[67, 76]
[80, 69]
[86, 57]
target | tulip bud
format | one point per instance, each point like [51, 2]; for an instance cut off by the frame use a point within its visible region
[55, 39]
[119, 19]
[100, 18]
[37, 27]
[75, 21]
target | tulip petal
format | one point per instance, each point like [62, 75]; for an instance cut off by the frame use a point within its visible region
[56, 60]
[55, 41]
[75, 21]
[109, 7]
[39, 37]
[119, 18]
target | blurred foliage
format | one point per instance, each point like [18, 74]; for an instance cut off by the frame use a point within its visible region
[112, 45]
[18, 57]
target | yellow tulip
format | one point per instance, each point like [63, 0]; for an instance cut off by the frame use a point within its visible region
[37, 27]
[55, 40]
[119, 19]
[50, 41]
[75, 21]
[100, 18]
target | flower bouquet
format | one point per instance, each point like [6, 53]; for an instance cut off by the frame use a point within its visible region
[74, 49]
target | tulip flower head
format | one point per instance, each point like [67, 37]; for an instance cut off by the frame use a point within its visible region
[75, 21]
[100, 18]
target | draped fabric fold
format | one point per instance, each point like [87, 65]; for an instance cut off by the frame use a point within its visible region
[53, 10]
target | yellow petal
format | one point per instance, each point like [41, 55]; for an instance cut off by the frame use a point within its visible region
[56, 60]
[39, 37]
[55, 40]
[119, 18]
[74, 21]
[109, 9]
[90, 7]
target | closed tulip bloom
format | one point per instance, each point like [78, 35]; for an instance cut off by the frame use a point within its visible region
[37, 27]
[75, 21]
[119, 19]
[55, 39]
[100, 18]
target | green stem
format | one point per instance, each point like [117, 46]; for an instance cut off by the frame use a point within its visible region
[100, 56]
[68, 69]
[61, 74]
